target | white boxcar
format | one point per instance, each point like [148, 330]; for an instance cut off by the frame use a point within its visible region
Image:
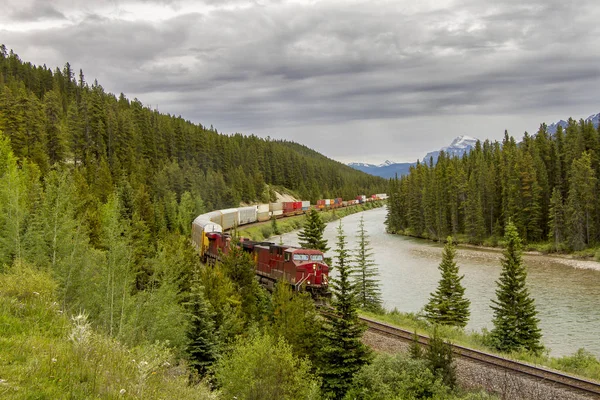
[305, 204]
[277, 213]
[275, 207]
[214, 216]
[248, 215]
[229, 218]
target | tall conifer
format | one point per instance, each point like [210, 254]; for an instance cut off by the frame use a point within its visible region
[448, 304]
[344, 353]
[365, 276]
[515, 317]
[202, 349]
[311, 236]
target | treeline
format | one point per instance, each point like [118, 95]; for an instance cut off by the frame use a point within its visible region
[546, 185]
[56, 117]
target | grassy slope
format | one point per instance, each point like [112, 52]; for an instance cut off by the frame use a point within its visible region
[45, 355]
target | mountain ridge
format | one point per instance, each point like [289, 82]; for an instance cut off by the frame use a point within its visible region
[458, 147]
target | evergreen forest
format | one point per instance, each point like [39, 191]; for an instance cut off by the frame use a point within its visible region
[55, 117]
[547, 185]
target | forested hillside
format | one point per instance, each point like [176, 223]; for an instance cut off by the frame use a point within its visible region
[97, 197]
[547, 185]
[54, 117]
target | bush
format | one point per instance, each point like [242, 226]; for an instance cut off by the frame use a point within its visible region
[263, 368]
[396, 377]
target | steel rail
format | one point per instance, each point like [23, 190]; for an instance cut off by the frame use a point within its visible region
[547, 375]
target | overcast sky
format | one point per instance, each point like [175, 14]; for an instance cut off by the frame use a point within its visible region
[356, 80]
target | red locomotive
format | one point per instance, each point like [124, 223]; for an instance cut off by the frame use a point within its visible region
[304, 269]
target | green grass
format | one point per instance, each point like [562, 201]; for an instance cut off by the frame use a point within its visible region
[46, 355]
[581, 363]
[265, 231]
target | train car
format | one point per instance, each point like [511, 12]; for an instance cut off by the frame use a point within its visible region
[247, 215]
[305, 205]
[229, 218]
[202, 226]
[304, 269]
[301, 268]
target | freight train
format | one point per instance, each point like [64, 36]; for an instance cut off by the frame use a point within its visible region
[301, 268]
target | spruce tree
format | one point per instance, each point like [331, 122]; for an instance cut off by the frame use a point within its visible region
[343, 353]
[448, 304]
[201, 349]
[515, 321]
[440, 359]
[367, 286]
[311, 236]
[556, 219]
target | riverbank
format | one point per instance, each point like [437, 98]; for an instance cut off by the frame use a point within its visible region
[265, 230]
[585, 259]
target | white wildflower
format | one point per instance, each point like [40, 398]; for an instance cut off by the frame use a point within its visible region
[81, 331]
[122, 391]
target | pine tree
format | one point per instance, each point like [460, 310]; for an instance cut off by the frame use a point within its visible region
[274, 226]
[515, 321]
[448, 304]
[440, 360]
[556, 219]
[581, 201]
[415, 350]
[311, 236]
[296, 319]
[344, 353]
[202, 349]
[367, 286]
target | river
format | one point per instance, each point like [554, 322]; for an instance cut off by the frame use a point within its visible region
[566, 293]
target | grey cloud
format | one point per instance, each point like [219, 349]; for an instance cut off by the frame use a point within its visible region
[39, 10]
[290, 66]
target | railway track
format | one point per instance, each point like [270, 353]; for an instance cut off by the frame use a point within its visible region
[547, 376]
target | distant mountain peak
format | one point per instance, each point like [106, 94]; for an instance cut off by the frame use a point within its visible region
[462, 141]
[389, 169]
[551, 129]
[386, 163]
[459, 146]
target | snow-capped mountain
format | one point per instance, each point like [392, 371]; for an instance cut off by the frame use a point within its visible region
[595, 118]
[458, 147]
[389, 169]
[386, 163]
[359, 165]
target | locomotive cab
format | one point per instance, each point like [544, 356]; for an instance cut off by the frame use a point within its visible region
[309, 266]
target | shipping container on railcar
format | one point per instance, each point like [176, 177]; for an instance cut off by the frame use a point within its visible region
[305, 205]
[288, 208]
[275, 207]
[263, 213]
